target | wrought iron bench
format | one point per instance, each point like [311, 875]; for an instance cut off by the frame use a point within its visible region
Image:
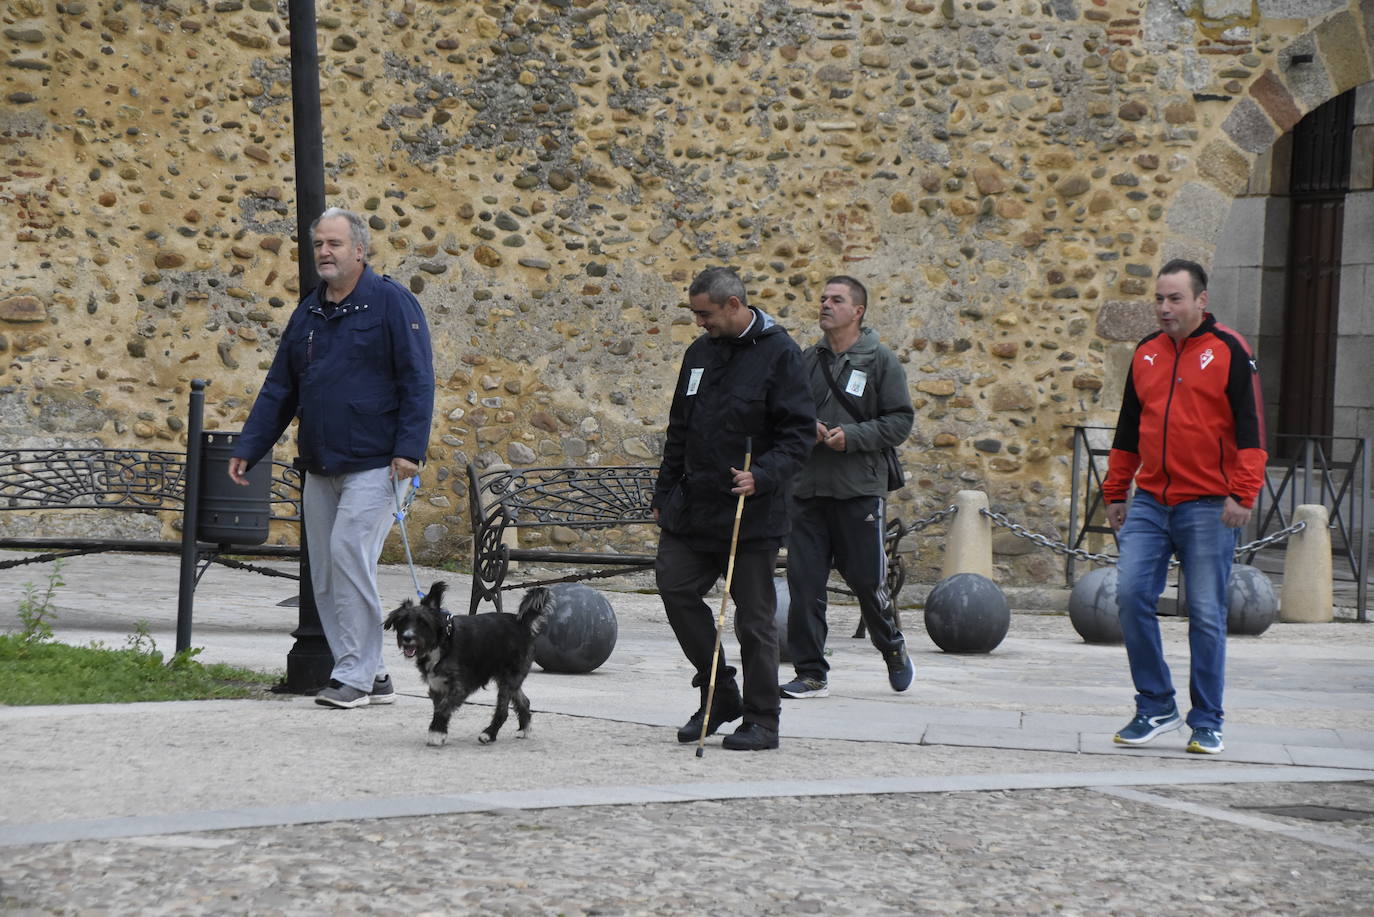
[37, 481]
[595, 497]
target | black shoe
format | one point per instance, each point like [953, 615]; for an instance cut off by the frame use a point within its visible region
[751, 737]
[727, 706]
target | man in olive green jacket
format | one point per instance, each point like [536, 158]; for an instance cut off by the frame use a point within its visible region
[838, 509]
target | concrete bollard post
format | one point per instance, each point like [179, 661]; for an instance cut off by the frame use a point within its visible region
[1306, 595]
[968, 548]
[510, 537]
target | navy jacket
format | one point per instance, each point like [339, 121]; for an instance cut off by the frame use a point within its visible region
[361, 380]
[749, 387]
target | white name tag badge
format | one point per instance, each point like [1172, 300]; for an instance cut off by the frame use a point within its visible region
[857, 380]
[694, 381]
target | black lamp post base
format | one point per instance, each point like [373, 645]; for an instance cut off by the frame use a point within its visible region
[308, 665]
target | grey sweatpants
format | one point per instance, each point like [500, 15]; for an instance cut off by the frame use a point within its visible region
[347, 517]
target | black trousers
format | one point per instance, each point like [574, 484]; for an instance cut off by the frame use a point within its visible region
[848, 535]
[684, 576]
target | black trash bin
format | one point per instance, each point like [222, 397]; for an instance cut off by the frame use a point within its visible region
[230, 513]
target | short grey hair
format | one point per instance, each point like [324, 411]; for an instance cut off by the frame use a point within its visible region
[357, 227]
[719, 284]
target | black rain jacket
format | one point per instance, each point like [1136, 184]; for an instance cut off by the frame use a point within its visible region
[751, 387]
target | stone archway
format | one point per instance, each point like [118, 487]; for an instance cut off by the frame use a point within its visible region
[1250, 273]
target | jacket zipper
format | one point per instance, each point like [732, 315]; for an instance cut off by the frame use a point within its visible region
[1168, 409]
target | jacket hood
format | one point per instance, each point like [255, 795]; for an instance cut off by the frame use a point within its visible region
[764, 324]
[867, 342]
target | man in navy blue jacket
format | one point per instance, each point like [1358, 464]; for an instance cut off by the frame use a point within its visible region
[355, 366]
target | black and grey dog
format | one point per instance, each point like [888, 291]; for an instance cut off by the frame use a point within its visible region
[458, 654]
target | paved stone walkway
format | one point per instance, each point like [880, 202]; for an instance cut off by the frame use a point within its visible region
[991, 787]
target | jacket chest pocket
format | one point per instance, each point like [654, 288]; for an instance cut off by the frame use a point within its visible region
[364, 340]
[745, 412]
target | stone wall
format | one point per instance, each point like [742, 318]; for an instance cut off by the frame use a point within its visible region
[547, 176]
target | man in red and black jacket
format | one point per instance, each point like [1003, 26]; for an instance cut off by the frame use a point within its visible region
[1191, 436]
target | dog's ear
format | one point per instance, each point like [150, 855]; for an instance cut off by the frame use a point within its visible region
[539, 600]
[394, 618]
[435, 598]
[534, 609]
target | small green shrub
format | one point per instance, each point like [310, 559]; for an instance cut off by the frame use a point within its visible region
[36, 610]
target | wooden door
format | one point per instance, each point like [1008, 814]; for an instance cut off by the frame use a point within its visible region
[1319, 181]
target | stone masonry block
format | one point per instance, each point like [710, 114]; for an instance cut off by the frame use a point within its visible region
[1199, 212]
[1234, 298]
[1309, 82]
[1364, 104]
[1298, 9]
[1226, 9]
[1362, 158]
[1249, 127]
[1353, 314]
[1354, 382]
[1228, 167]
[1242, 240]
[1275, 99]
[1347, 58]
[1358, 228]
[1126, 320]
[1164, 22]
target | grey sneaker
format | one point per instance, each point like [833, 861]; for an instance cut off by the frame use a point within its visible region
[1143, 728]
[806, 687]
[338, 694]
[382, 691]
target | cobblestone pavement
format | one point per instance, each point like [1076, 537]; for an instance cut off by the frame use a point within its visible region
[1002, 852]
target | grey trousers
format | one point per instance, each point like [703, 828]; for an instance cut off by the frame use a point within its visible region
[346, 520]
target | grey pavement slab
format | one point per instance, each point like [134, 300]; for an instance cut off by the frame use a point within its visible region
[1044, 704]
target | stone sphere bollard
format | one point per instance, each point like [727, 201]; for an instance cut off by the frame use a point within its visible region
[780, 610]
[1093, 609]
[967, 613]
[1251, 603]
[580, 631]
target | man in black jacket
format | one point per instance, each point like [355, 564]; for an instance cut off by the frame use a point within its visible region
[740, 382]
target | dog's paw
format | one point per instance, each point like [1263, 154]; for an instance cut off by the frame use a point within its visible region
[523, 733]
[436, 739]
[485, 738]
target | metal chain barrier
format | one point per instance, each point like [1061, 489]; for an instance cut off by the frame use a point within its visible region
[1060, 547]
[930, 520]
[1267, 540]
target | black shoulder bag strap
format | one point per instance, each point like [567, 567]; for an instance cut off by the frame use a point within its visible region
[841, 397]
[896, 477]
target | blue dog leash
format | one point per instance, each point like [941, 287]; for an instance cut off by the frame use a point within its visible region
[402, 508]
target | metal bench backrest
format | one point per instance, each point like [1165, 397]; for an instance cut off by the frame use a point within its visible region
[122, 479]
[596, 496]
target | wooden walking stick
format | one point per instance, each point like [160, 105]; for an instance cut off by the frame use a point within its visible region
[725, 596]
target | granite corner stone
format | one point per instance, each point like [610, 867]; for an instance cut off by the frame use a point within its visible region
[1347, 58]
[1249, 127]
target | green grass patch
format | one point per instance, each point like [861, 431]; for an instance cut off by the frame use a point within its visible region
[38, 670]
[42, 672]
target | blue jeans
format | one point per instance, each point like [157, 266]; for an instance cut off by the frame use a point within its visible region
[1151, 535]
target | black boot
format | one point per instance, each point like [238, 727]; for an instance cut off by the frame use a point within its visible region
[727, 706]
[751, 737]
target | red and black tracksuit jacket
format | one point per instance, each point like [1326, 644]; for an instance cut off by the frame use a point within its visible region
[1191, 420]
